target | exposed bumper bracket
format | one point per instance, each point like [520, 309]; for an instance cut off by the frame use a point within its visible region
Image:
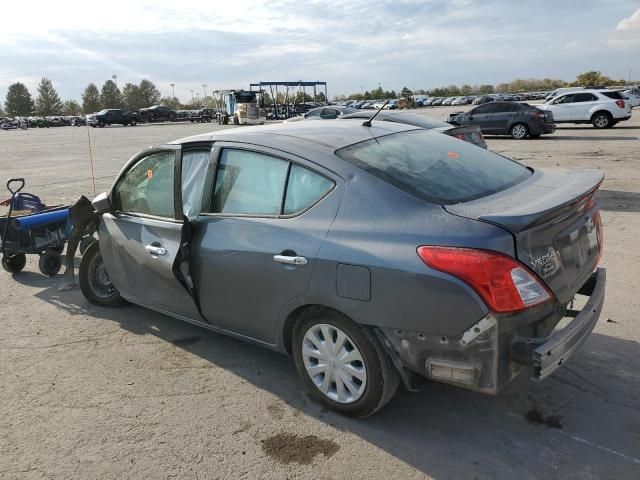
[546, 355]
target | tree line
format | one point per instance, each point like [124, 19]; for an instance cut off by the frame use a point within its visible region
[20, 103]
[590, 78]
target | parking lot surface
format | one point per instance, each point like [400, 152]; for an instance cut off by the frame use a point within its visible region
[87, 392]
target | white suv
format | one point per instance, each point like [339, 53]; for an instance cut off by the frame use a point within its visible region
[602, 108]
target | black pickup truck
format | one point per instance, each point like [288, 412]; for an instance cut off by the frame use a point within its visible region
[112, 116]
[157, 113]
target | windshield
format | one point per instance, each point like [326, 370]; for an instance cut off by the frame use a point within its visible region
[435, 167]
[246, 97]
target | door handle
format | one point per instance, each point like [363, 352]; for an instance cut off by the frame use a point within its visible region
[155, 250]
[290, 260]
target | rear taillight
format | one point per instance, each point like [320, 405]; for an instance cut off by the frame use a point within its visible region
[620, 103]
[459, 136]
[537, 114]
[504, 284]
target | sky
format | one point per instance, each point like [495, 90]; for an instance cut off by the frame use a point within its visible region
[353, 45]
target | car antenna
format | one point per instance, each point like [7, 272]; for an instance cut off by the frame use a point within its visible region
[367, 123]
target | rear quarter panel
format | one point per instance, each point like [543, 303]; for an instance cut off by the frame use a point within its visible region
[379, 228]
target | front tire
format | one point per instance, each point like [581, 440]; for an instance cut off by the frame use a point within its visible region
[519, 131]
[602, 120]
[94, 280]
[342, 364]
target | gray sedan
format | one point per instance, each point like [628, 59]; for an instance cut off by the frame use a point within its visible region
[373, 255]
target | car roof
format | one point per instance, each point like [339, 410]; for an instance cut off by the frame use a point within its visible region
[328, 135]
[414, 119]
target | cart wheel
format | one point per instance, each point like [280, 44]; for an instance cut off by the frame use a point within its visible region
[14, 263]
[50, 263]
[86, 243]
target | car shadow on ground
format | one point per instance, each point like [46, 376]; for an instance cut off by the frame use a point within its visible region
[580, 421]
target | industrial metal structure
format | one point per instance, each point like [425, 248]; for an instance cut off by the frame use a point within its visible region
[287, 109]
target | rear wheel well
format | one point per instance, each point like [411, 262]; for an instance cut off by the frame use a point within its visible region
[292, 319]
[608, 114]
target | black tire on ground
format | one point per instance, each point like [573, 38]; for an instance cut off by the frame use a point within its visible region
[95, 282]
[50, 263]
[236, 120]
[519, 131]
[382, 378]
[101, 124]
[85, 243]
[225, 120]
[14, 263]
[601, 120]
[133, 123]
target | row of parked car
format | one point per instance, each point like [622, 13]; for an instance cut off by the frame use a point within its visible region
[603, 108]
[15, 123]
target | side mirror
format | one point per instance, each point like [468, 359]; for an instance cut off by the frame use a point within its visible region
[101, 203]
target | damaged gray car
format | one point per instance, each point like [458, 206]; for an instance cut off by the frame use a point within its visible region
[373, 254]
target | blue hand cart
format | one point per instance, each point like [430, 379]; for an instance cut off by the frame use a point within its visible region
[31, 228]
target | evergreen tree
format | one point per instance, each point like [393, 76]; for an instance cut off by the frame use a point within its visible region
[110, 96]
[71, 107]
[131, 97]
[48, 101]
[91, 99]
[18, 102]
[149, 94]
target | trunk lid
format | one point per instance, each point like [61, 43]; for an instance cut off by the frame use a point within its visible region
[555, 220]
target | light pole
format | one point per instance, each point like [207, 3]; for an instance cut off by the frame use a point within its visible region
[192, 99]
[204, 87]
[173, 93]
[115, 79]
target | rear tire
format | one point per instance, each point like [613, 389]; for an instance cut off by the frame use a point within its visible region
[94, 280]
[14, 263]
[50, 263]
[519, 131]
[370, 362]
[602, 120]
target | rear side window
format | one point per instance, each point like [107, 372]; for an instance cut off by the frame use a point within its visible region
[304, 188]
[249, 183]
[435, 167]
[252, 183]
[613, 95]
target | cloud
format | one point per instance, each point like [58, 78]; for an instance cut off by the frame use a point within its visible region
[627, 33]
[348, 43]
[631, 23]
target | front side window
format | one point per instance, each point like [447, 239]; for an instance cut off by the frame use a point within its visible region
[148, 187]
[565, 99]
[435, 167]
[583, 97]
[484, 109]
[194, 169]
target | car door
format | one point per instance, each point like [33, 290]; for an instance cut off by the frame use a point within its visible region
[256, 248]
[561, 108]
[581, 106]
[140, 238]
[482, 116]
[502, 117]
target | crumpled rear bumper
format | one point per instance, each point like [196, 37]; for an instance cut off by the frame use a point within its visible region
[545, 356]
[496, 349]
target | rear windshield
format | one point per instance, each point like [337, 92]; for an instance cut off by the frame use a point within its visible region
[435, 167]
